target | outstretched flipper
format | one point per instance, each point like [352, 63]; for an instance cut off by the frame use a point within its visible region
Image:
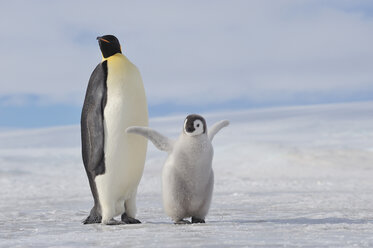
[161, 142]
[216, 128]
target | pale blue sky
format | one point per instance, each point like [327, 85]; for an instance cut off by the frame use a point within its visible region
[194, 56]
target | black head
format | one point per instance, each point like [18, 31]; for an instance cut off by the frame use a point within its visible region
[194, 125]
[109, 45]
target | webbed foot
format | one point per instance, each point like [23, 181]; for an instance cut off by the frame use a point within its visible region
[92, 219]
[197, 220]
[129, 220]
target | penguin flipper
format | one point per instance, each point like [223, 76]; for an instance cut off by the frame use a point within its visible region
[92, 134]
[92, 122]
[161, 142]
[216, 128]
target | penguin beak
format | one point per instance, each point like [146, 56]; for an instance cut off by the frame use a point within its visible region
[102, 39]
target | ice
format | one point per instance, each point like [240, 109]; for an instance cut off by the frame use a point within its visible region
[284, 177]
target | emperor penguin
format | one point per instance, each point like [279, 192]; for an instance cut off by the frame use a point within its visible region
[113, 160]
[187, 175]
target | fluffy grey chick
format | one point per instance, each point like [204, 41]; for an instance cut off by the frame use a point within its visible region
[187, 176]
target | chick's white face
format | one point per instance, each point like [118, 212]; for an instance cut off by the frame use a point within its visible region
[193, 127]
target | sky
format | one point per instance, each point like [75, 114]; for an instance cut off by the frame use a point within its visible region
[194, 56]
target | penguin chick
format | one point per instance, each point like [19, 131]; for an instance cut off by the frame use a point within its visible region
[187, 175]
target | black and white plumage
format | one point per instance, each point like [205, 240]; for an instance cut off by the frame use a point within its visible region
[114, 161]
[187, 175]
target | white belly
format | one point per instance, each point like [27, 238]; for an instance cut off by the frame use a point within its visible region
[124, 153]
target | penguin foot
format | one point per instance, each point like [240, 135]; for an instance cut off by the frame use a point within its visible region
[182, 222]
[197, 220]
[92, 219]
[129, 220]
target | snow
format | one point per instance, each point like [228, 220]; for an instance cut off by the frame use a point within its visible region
[284, 177]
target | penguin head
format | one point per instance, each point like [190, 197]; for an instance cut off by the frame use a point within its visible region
[109, 45]
[194, 125]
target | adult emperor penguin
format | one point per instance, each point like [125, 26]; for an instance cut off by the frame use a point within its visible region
[187, 176]
[114, 161]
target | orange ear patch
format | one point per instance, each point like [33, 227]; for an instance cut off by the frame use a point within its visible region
[105, 40]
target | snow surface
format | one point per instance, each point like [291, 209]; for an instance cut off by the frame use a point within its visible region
[285, 177]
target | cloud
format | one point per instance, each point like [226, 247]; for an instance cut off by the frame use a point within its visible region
[192, 52]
